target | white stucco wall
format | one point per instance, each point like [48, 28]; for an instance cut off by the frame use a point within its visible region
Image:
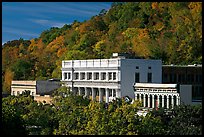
[128, 70]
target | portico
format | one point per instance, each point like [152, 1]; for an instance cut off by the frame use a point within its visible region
[157, 95]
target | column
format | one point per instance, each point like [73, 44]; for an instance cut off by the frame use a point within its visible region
[140, 97]
[152, 101]
[178, 100]
[106, 76]
[86, 92]
[148, 101]
[92, 76]
[93, 94]
[85, 75]
[167, 99]
[79, 75]
[144, 96]
[162, 100]
[107, 95]
[100, 95]
[158, 101]
[172, 101]
[99, 75]
[80, 91]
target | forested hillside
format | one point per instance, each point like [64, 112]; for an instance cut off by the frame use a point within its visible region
[171, 31]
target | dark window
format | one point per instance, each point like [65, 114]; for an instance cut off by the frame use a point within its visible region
[149, 67]
[192, 78]
[137, 77]
[89, 76]
[137, 67]
[110, 93]
[69, 76]
[103, 76]
[114, 93]
[96, 76]
[65, 75]
[200, 78]
[197, 93]
[149, 77]
[179, 78]
[110, 75]
[165, 78]
[114, 75]
[76, 75]
[197, 78]
[82, 76]
[188, 78]
[170, 78]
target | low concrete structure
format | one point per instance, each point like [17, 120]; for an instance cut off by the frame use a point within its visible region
[40, 89]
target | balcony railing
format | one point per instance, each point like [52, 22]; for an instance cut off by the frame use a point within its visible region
[91, 63]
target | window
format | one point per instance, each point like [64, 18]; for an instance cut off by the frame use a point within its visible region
[110, 93]
[165, 77]
[65, 75]
[110, 76]
[89, 76]
[137, 67]
[114, 75]
[114, 93]
[149, 77]
[192, 78]
[103, 76]
[96, 76]
[137, 77]
[179, 77]
[149, 67]
[76, 75]
[82, 76]
[69, 76]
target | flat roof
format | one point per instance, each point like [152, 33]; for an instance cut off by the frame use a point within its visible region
[155, 85]
[172, 65]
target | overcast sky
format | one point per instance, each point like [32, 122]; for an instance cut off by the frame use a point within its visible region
[28, 19]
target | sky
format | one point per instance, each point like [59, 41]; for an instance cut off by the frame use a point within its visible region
[28, 20]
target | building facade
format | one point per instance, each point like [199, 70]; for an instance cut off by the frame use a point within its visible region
[39, 87]
[107, 79]
[162, 95]
[185, 74]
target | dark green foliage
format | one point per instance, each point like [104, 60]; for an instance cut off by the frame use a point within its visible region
[22, 69]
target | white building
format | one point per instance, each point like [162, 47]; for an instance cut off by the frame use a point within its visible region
[162, 95]
[107, 79]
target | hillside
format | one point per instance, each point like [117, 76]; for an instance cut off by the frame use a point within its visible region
[154, 30]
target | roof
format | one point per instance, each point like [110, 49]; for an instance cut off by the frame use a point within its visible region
[155, 85]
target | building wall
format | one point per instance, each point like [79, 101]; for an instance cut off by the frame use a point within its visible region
[41, 99]
[46, 87]
[128, 70]
[186, 74]
[36, 87]
[17, 87]
[123, 68]
[185, 94]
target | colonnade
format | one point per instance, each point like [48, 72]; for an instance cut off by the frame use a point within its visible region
[156, 100]
[99, 94]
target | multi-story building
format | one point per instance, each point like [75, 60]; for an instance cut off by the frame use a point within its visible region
[162, 95]
[185, 74]
[107, 79]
